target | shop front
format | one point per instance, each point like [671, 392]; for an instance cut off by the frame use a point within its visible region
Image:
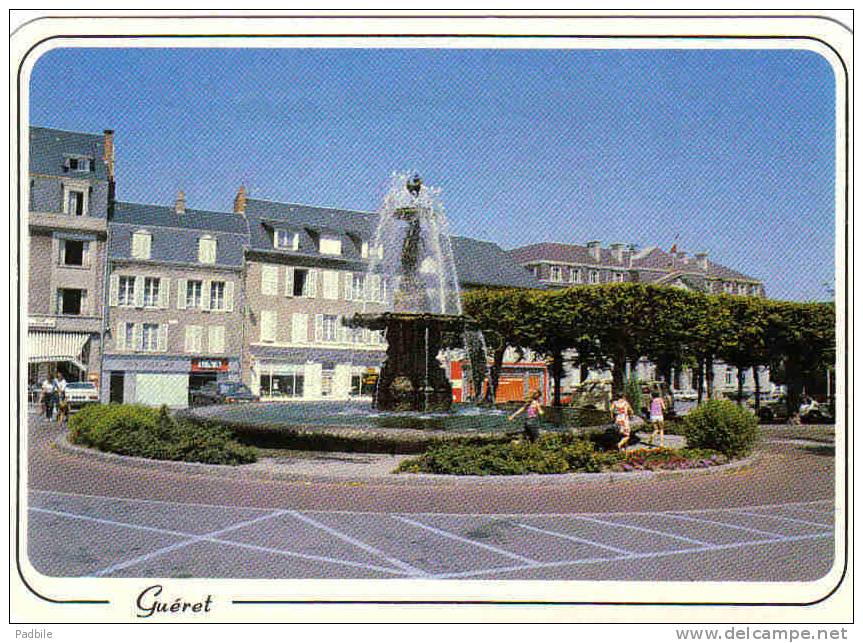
[158, 380]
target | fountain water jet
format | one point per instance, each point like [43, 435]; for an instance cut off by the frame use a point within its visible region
[412, 250]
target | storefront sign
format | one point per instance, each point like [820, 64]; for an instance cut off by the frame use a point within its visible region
[209, 365]
[370, 378]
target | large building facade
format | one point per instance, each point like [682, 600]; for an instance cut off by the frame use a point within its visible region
[70, 195]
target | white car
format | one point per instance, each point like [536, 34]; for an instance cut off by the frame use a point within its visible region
[79, 394]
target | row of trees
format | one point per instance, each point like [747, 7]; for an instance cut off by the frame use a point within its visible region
[611, 325]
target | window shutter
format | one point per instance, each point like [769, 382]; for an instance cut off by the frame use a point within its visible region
[299, 328]
[189, 345]
[319, 328]
[312, 281]
[289, 282]
[145, 239]
[113, 290]
[348, 281]
[120, 336]
[139, 292]
[164, 292]
[216, 339]
[269, 280]
[374, 288]
[205, 295]
[229, 296]
[181, 293]
[341, 331]
[85, 258]
[163, 337]
[268, 325]
[136, 337]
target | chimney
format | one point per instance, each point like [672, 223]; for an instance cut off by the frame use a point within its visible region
[701, 260]
[180, 203]
[593, 247]
[240, 201]
[109, 153]
[617, 252]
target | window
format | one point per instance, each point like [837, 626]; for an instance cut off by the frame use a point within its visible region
[575, 275]
[555, 273]
[193, 339]
[328, 328]
[268, 326]
[286, 240]
[269, 280]
[354, 290]
[73, 252]
[193, 294]
[278, 386]
[151, 292]
[729, 376]
[331, 284]
[593, 276]
[79, 164]
[149, 337]
[75, 202]
[364, 249]
[217, 295]
[300, 328]
[364, 383]
[127, 341]
[141, 242]
[126, 291]
[71, 301]
[619, 277]
[753, 290]
[330, 245]
[207, 250]
[729, 287]
[305, 283]
[216, 339]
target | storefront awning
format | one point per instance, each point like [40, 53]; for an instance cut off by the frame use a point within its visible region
[56, 347]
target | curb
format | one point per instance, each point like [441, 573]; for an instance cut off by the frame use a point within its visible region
[261, 470]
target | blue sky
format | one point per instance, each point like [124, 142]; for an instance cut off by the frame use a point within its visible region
[732, 150]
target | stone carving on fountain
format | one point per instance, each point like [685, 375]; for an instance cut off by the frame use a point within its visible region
[412, 250]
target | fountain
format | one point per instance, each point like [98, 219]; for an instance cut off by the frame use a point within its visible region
[411, 250]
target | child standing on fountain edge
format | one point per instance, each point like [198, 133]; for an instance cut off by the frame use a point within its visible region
[532, 410]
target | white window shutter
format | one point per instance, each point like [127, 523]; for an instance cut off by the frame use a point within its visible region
[163, 338]
[319, 328]
[136, 337]
[205, 295]
[113, 290]
[374, 288]
[181, 294]
[312, 281]
[268, 325]
[189, 345]
[139, 292]
[86, 258]
[229, 296]
[289, 282]
[348, 281]
[164, 292]
[120, 336]
[216, 339]
[341, 331]
[299, 328]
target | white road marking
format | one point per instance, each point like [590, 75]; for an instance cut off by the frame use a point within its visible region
[777, 517]
[221, 541]
[644, 529]
[358, 543]
[725, 524]
[647, 555]
[456, 537]
[576, 539]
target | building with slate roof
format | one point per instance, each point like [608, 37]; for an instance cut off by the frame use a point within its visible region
[71, 184]
[306, 272]
[174, 309]
[559, 264]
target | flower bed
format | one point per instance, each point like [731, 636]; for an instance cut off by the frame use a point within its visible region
[551, 453]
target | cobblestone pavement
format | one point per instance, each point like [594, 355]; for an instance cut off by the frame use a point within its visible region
[773, 521]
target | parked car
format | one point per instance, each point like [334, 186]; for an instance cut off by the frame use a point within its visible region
[811, 413]
[80, 394]
[222, 393]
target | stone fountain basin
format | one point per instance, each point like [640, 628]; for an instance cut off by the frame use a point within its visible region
[354, 427]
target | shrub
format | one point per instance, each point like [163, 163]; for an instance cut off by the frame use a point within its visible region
[632, 392]
[135, 430]
[723, 426]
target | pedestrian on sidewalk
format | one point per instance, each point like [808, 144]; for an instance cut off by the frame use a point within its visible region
[621, 411]
[47, 390]
[657, 418]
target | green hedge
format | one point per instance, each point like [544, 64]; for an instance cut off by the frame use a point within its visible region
[551, 453]
[723, 426]
[135, 430]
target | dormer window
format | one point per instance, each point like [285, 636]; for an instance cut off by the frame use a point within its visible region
[141, 242]
[286, 240]
[76, 199]
[330, 244]
[206, 250]
[78, 164]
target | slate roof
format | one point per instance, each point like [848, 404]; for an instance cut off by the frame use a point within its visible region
[49, 149]
[645, 260]
[483, 263]
[175, 236]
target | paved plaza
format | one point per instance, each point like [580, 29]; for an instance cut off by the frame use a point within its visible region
[80, 535]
